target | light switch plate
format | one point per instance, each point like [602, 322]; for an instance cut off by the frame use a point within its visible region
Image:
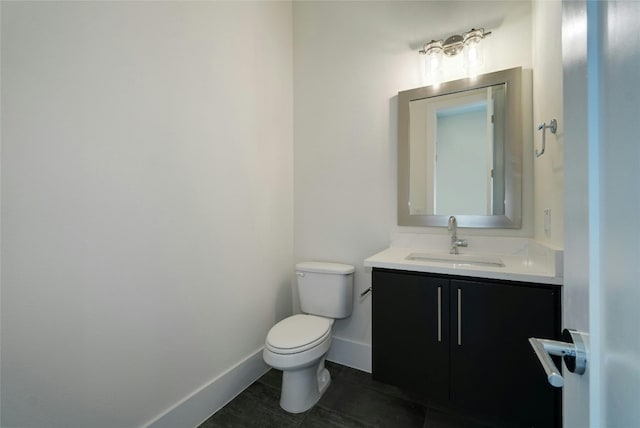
[547, 221]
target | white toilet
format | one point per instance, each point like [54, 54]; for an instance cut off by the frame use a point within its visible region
[298, 345]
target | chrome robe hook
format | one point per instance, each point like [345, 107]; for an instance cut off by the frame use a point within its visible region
[553, 127]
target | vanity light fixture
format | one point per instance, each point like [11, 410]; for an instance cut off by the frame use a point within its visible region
[469, 43]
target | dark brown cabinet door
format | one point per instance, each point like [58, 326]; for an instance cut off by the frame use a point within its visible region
[411, 332]
[494, 371]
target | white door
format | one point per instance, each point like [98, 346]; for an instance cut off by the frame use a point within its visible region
[601, 62]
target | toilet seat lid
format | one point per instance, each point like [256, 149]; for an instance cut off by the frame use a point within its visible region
[298, 333]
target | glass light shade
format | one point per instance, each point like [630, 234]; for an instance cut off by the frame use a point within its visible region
[473, 55]
[433, 65]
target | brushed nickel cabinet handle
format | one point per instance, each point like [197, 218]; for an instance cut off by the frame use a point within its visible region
[459, 317]
[439, 314]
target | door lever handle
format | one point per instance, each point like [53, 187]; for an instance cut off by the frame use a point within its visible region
[573, 351]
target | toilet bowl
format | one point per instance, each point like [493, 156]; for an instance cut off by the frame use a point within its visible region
[299, 344]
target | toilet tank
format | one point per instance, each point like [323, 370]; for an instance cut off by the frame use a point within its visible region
[325, 288]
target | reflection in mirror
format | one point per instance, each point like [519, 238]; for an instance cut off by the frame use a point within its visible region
[456, 147]
[460, 152]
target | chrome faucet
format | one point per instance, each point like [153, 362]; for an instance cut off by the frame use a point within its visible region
[455, 242]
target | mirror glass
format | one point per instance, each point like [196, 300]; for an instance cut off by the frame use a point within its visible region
[456, 145]
[460, 152]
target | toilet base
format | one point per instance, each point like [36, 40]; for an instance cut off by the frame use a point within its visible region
[302, 388]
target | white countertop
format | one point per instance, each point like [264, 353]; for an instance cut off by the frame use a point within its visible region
[533, 263]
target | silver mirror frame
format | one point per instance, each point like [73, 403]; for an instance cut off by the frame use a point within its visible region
[512, 219]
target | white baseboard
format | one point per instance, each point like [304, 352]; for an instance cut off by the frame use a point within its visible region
[351, 354]
[205, 401]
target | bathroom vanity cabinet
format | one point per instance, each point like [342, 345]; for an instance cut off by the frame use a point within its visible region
[463, 343]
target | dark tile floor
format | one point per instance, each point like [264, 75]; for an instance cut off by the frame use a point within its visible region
[353, 399]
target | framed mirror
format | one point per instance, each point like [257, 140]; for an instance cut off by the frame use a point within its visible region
[460, 152]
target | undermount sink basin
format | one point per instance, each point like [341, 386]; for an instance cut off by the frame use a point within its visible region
[457, 260]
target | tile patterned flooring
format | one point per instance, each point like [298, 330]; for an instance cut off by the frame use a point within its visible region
[353, 400]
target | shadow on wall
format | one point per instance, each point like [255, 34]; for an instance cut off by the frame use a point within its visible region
[284, 300]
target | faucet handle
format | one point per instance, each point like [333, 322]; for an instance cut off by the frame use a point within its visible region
[462, 243]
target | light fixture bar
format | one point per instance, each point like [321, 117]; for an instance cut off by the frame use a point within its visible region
[454, 44]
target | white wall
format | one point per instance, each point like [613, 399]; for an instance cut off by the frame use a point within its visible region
[147, 202]
[547, 105]
[350, 61]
